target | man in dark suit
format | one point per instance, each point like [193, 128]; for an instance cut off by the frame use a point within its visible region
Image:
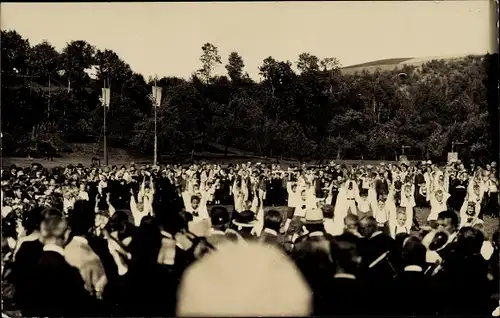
[28, 252]
[272, 224]
[347, 292]
[220, 218]
[313, 256]
[414, 293]
[465, 275]
[59, 287]
[378, 258]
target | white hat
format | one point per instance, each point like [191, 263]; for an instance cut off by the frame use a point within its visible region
[429, 162]
[243, 280]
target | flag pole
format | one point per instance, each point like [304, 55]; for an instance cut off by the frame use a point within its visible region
[104, 127]
[155, 104]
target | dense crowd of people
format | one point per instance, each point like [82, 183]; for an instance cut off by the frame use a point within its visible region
[161, 240]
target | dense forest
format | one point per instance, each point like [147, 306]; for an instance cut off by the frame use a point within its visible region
[314, 112]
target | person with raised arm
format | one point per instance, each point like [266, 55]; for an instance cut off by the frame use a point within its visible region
[438, 200]
[144, 204]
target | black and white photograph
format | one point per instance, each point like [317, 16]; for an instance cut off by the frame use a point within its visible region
[250, 159]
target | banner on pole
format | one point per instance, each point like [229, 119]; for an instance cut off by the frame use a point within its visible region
[452, 157]
[156, 96]
[106, 97]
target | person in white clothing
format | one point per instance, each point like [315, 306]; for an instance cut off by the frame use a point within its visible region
[198, 208]
[438, 200]
[402, 225]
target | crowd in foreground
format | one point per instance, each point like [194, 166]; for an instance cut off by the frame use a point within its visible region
[160, 241]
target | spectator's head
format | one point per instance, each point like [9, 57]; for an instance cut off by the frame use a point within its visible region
[219, 217]
[400, 238]
[313, 220]
[245, 221]
[32, 220]
[81, 218]
[54, 230]
[351, 222]
[469, 241]
[251, 280]
[119, 225]
[273, 220]
[414, 252]
[448, 220]
[438, 240]
[368, 226]
[347, 254]
[9, 225]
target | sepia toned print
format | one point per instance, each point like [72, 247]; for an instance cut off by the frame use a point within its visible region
[250, 159]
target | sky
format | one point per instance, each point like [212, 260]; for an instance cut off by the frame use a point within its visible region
[166, 38]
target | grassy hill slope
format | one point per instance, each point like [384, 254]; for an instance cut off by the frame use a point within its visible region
[395, 63]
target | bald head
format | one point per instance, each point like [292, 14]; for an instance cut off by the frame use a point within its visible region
[249, 280]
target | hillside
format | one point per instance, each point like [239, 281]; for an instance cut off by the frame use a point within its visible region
[394, 63]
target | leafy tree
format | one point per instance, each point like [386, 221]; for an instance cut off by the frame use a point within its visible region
[210, 58]
[307, 63]
[43, 60]
[235, 67]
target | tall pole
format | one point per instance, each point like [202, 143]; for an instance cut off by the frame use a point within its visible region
[104, 128]
[48, 106]
[155, 156]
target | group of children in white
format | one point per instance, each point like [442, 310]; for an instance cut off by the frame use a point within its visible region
[394, 212]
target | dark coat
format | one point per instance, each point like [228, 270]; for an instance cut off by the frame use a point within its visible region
[26, 262]
[373, 248]
[59, 289]
[345, 297]
[414, 294]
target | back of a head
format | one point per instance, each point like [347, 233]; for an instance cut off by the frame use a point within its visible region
[469, 241]
[250, 280]
[32, 219]
[48, 212]
[272, 220]
[53, 227]
[219, 217]
[81, 218]
[368, 226]
[346, 251]
[414, 252]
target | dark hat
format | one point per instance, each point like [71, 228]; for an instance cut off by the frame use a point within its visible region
[328, 211]
[245, 219]
[439, 240]
[219, 215]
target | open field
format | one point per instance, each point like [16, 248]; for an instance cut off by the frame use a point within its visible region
[86, 161]
[395, 63]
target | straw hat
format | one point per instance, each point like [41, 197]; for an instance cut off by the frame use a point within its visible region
[313, 216]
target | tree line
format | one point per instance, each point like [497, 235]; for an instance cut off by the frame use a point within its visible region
[315, 112]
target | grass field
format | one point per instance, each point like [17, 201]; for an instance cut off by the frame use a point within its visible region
[86, 161]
